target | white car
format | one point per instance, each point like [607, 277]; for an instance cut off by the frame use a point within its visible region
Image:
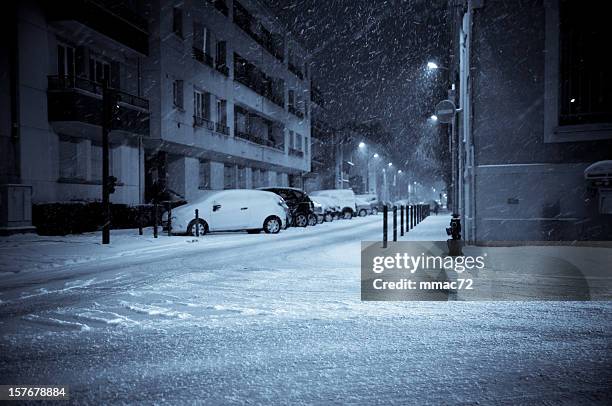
[345, 198]
[231, 210]
[372, 200]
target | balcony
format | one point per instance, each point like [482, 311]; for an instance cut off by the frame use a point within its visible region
[273, 43]
[201, 56]
[258, 140]
[262, 84]
[79, 100]
[298, 113]
[222, 68]
[296, 152]
[203, 122]
[113, 19]
[221, 128]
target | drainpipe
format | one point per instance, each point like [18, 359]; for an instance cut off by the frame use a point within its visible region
[15, 176]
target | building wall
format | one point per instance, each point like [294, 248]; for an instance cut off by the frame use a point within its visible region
[525, 188]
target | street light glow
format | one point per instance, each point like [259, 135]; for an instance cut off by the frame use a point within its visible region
[390, 164]
[400, 171]
[375, 155]
[434, 117]
[432, 65]
[362, 145]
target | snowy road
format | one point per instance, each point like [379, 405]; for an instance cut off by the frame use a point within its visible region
[230, 318]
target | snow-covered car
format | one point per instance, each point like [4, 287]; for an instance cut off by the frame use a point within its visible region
[372, 200]
[317, 209]
[345, 198]
[301, 209]
[363, 207]
[231, 210]
[329, 208]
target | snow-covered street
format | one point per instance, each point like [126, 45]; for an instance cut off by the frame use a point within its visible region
[238, 318]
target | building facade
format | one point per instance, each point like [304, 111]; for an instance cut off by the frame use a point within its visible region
[536, 111]
[229, 90]
[210, 95]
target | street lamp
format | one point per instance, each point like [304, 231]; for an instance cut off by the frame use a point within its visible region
[390, 164]
[375, 155]
[432, 65]
[434, 117]
[362, 145]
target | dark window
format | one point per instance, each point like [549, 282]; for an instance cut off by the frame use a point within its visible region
[177, 93]
[586, 88]
[177, 21]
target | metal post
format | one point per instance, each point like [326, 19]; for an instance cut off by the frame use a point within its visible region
[402, 220]
[169, 219]
[407, 218]
[106, 124]
[140, 220]
[197, 222]
[385, 225]
[155, 220]
[394, 223]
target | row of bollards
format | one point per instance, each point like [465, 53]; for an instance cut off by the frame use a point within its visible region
[414, 214]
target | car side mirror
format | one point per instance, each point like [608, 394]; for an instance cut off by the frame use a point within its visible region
[216, 207]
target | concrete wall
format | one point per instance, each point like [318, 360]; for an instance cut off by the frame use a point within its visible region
[525, 187]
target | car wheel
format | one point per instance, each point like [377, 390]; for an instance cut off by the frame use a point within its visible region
[347, 215]
[328, 217]
[201, 226]
[312, 219]
[272, 225]
[374, 211]
[301, 220]
[363, 213]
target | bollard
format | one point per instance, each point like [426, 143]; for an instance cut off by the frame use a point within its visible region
[197, 222]
[402, 220]
[411, 217]
[385, 225]
[394, 223]
[407, 219]
[169, 219]
[139, 220]
[155, 216]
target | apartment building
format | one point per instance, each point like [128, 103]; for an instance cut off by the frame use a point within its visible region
[210, 95]
[55, 58]
[229, 99]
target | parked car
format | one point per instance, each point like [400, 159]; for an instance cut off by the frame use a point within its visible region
[329, 208]
[345, 198]
[301, 208]
[231, 210]
[372, 200]
[363, 207]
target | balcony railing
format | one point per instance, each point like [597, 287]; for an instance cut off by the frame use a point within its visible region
[200, 55]
[258, 140]
[296, 152]
[296, 112]
[221, 128]
[223, 69]
[60, 82]
[79, 100]
[203, 122]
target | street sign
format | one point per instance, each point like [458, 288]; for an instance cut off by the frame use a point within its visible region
[445, 111]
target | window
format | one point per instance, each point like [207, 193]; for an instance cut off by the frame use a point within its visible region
[99, 70]
[201, 104]
[96, 162]
[291, 101]
[68, 159]
[241, 177]
[298, 142]
[65, 60]
[221, 111]
[177, 93]
[177, 21]
[221, 55]
[204, 178]
[586, 87]
[229, 177]
[306, 144]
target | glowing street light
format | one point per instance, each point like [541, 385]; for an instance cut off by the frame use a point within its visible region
[375, 155]
[362, 145]
[390, 164]
[434, 117]
[432, 65]
[400, 171]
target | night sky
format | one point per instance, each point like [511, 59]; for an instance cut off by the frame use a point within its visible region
[369, 60]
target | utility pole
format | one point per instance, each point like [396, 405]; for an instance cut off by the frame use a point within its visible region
[108, 105]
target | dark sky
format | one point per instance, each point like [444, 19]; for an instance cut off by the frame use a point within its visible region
[369, 60]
